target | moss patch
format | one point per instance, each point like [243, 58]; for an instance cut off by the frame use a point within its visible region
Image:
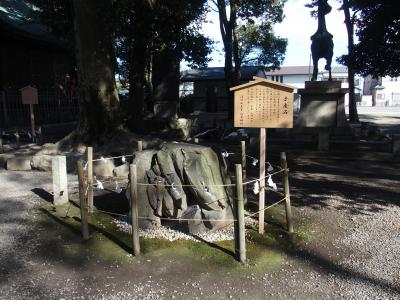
[108, 243]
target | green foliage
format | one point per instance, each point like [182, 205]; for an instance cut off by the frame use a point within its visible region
[378, 30]
[167, 25]
[248, 33]
[259, 46]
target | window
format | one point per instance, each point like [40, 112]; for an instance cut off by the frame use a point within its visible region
[281, 78]
[380, 96]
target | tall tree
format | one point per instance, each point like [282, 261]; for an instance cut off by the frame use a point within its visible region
[248, 12]
[92, 50]
[99, 100]
[378, 30]
[350, 16]
[152, 39]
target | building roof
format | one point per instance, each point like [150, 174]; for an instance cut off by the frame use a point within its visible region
[259, 80]
[21, 19]
[217, 73]
[247, 72]
[302, 70]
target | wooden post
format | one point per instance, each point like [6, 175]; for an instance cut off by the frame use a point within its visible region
[240, 248]
[134, 210]
[32, 115]
[82, 200]
[90, 178]
[140, 145]
[243, 155]
[285, 179]
[261, 200]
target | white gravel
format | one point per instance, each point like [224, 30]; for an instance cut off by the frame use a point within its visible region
[170, 234]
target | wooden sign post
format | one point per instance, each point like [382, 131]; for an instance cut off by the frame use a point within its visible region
[263, 103]
[29, 95]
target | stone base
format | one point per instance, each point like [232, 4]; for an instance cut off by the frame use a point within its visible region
[322, 105]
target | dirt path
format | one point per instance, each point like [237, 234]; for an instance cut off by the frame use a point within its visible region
[352, 250]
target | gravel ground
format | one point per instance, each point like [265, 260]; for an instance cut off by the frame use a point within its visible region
[354, 210]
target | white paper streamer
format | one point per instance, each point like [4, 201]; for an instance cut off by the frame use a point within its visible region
[225, 154]
[103, 159]
[255, 161]
[118, 189]
[123, 159]
[270, 168]
[256, 188]
[271, 183]
[99, 185]
[85, 167]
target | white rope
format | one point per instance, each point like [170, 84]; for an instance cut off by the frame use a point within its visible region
[114, 157]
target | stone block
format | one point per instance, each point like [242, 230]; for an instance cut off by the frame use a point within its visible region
[19, 164]
[322, 105]
[60, 180]
[4, 158]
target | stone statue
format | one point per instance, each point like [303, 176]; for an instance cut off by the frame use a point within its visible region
[322, 43]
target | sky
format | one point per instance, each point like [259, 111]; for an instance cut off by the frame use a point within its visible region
[297, 27]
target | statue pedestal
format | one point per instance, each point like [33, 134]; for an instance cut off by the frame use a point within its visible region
[322, 105]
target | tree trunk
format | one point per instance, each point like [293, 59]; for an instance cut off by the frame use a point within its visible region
[353, 115]
[165, 76]
[98, 101]
[139, 56]
[226, 29]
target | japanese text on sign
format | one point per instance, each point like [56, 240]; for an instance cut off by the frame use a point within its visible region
[263, 105]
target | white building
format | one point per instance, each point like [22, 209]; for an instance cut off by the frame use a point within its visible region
[383, 91]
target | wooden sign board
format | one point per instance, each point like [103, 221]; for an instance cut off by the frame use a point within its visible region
[29, 95]
[263, 103]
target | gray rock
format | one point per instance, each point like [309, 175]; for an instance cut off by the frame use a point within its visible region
[49, 149]
[162, 176]
[41, 162]
[121, 171]
[19, 164]
[103, 168]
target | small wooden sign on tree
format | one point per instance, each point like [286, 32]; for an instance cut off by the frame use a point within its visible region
[263, 103]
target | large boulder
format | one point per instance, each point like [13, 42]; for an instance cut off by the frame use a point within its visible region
[41, 162]
[103, 168]
[182, 181]
[121, 171]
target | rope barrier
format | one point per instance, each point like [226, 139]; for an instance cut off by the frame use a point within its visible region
[112, 157]
[187, 219]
